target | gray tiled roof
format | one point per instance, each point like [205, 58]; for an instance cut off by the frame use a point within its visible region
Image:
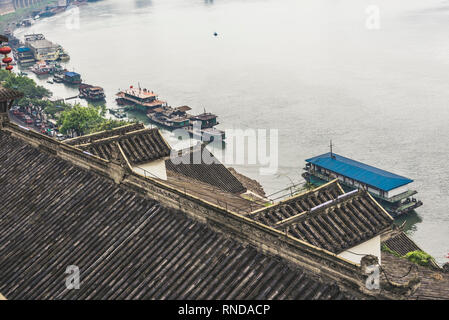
[8, 94]
[54, 214]
[190, 163]
[104, 134]
[297, 204]
[138, 146]
[341, 225]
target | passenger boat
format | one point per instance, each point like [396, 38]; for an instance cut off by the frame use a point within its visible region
[389, 189]
[91, 93]
[207, 134]
[207, 119]
[170, 118]
[72, 78]
[68, 77]
[41, 68]
[203, 125]
[138, 99]
[199, 127]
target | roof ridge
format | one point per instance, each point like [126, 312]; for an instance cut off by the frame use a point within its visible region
[296, 196]
[119, 136]
[319, 209]
[99, 133]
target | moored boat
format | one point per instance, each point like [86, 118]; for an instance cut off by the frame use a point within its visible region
[389, 189]
[67, 77]
[170, 118]
[138, 99]
[41, 68]
[91, 93]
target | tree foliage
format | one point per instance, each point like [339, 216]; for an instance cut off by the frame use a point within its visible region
[419, 257]
[24, 84]
[80, 119]
[85, 120]
[71, 118]
[108, 124]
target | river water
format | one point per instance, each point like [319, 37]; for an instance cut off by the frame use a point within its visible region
[314, 70]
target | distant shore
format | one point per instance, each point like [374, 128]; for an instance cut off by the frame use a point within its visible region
[8, 21]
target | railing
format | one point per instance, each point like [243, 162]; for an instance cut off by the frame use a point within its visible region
[221, 203]
[253, 205]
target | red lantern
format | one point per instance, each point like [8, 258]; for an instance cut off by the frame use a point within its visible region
[5, 50]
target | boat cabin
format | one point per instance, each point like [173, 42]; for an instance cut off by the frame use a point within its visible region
[90, 92]
[181, 111]
[72, 77]
[179, 122]
[208, 120]
[390, 189]
[141, 95]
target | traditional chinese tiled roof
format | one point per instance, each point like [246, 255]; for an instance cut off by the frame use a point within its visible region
[401, 244]
[365, 174]
[298, 203]
[139, 146]
[54, 214]
[8, 94]
[433, 284]
[104, 134]
[328, 218]
[207, 192]
[340, 224]
[200, 164]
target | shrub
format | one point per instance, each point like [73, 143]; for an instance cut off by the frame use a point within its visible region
[419, 257]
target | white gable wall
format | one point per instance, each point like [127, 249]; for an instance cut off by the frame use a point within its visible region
[355, 254]
[153, 169]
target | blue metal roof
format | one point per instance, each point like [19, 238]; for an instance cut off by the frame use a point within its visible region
[361, 172]
[23, 49]
[72, 74]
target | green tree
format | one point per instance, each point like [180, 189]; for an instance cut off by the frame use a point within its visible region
[80, 119]
[24, 84]
[108, 124]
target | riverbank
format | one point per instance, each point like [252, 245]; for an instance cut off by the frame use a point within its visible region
[8, 22]
[38, 112]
